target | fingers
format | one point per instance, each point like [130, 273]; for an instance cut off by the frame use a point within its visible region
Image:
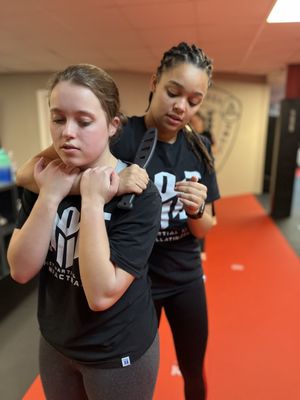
[99, 184]
[191, 193]
[133, 179]
[194, 179]
[192, 188]
[191, 200]
[141, 185]
[139, 174]
[106, 173]
[140, 178]
[114, 181]
[42, 165]
[69, 170]
[39, 165]
[58, 165]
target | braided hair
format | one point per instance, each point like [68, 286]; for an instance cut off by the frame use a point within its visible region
[190, 54]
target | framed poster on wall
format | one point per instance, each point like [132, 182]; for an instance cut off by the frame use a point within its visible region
[44, 118]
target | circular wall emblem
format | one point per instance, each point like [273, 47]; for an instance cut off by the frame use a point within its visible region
[222, 112]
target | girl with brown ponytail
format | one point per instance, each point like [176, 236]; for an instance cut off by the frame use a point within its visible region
[182, 170]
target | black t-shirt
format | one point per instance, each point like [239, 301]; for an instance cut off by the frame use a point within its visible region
[122, 333]
[175, 259]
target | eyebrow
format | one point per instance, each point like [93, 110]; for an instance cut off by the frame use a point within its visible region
[182, 87]
[56, 109]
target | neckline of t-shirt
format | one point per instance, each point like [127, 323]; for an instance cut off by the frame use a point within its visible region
[167, 144]
[179, 134]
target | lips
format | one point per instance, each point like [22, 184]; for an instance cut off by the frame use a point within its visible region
[69, 147]
[175, 117]
[174, 120]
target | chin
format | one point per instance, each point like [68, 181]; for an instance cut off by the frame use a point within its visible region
[69, 162]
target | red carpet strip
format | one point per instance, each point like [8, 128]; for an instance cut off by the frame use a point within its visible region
[253, 291]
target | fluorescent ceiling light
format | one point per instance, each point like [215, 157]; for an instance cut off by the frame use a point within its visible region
[285, 11]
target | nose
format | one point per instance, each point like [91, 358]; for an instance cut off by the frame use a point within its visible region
[179, 106]
[69, 129]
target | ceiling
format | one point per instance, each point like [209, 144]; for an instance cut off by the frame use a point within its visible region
[131, 35]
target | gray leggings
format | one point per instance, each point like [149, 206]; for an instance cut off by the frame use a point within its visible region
[63, 378]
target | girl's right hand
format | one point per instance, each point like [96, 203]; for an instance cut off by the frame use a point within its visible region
[54, 179]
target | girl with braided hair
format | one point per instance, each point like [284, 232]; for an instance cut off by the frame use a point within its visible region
[182, 170]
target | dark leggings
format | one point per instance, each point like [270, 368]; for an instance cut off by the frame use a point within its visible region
[63, 378]
[187, 316]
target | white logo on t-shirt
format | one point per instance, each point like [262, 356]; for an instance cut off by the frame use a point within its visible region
[171, 206]
[64, 237]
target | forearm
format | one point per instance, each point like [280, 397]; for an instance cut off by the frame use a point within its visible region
[29, 245]
[103, 283]
[200, 227]
[24, 175]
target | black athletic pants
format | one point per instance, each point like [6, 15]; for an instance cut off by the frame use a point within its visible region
[187, 316]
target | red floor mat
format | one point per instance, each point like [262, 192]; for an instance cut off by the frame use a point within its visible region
[253, 290]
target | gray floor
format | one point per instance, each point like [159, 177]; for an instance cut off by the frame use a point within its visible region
[18, 327]
[290, 227]
[19, 339]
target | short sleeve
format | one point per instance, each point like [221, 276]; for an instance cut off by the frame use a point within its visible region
[132, 233]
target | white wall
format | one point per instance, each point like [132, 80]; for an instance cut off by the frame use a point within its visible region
[18, 114]
[134, 91]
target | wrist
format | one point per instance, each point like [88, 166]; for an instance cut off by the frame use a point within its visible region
[198, 214]
[48, 198]
[92, 204]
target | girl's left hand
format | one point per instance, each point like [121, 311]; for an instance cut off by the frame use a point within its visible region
[192, 194]
[99, 184]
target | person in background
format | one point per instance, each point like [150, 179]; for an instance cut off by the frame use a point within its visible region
[96, 316]
[197, 123]
[183, 171]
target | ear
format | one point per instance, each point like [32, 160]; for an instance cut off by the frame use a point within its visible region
[113, 126]
[153, 83]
